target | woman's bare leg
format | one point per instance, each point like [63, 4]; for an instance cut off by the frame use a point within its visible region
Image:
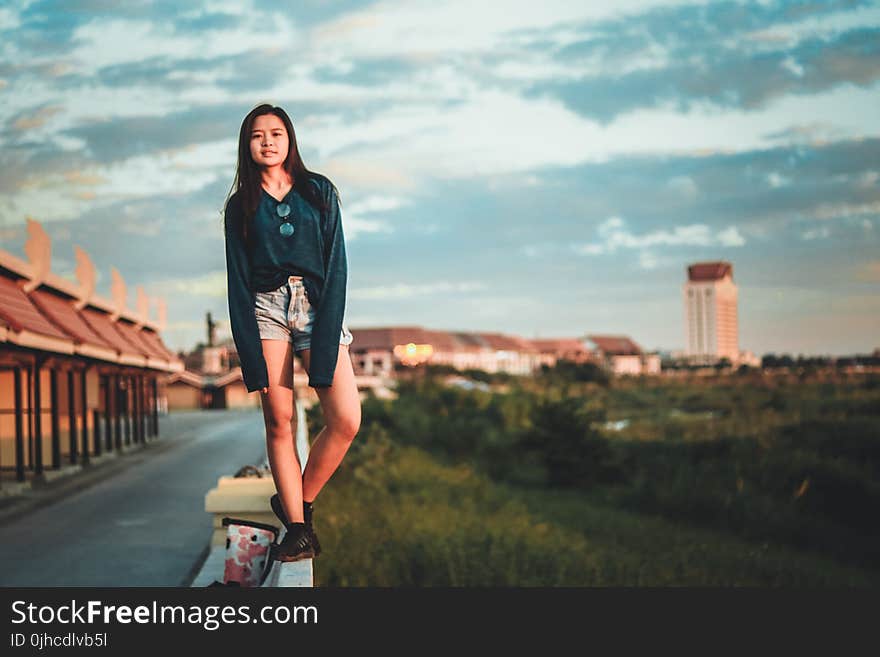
[279, 415]
[341, 406]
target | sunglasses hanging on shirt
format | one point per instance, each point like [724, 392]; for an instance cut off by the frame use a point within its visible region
[286, 228]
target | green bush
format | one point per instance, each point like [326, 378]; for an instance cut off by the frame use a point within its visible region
[394, 516]
[766, 462]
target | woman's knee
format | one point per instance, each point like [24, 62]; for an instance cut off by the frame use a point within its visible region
[279, 424]
[346, 425]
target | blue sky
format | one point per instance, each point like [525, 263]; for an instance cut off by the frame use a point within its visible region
[541, 169]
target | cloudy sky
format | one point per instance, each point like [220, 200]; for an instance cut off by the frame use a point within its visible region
[540, 169]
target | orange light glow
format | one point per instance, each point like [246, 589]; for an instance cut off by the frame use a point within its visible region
[413, 354]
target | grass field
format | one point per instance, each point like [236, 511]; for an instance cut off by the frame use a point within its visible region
[455, 488]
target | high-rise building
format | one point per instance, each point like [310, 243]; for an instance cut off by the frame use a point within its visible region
[710, 316]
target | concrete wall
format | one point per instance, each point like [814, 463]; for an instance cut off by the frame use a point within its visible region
[237, 396]
[182, 396]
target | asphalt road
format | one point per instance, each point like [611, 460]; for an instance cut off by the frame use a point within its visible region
[143, 522]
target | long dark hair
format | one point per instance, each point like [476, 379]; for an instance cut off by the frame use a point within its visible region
[247, 183]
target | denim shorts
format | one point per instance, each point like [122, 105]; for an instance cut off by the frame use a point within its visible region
[286, 314]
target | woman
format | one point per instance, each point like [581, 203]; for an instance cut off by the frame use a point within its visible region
[286, 281]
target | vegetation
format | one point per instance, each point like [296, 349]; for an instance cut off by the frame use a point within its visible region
[571, 479]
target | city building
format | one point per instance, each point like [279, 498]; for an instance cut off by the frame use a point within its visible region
[79, 374]
[621, 355]
[710, 313]
[571, 349]
[213, 376]
[378, 350]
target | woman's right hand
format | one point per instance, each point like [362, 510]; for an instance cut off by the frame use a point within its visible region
[265, 390]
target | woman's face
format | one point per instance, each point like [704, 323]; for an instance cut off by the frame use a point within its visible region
[269, 141]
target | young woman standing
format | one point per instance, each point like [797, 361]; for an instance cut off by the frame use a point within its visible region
[286, 281]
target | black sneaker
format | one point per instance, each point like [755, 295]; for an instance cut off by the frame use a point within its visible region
[278, 509]
[296, 544]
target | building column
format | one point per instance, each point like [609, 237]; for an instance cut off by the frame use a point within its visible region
[37, 441]
[53, 412]
[148, 405]
[142, 416]
[117, 418]
[131, 414]
[19, 429]
[84, 399]
[108, 414]
[126, 407]
[71, 414]
[96, 430]
[135, 430]
[139, 405]
[155, 407]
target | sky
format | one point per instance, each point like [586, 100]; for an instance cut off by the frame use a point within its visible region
[536, 169]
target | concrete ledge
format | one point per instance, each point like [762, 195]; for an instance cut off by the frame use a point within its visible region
[246, 498]
[295, 574]
[49, 475]
[14, 488]
[212, 569]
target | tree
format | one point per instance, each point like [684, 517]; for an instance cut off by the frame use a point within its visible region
[563, 437]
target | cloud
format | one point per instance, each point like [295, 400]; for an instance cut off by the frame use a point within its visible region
[378, 203]
[359, 217]
[151, 228]
[730, 237]
[695, 54]
[814, 132]
[842, 210]
[685, 185]
[724, 79]
[211, 284]
[821, 232]
[499, 146]
[395, 26]
[614, 235]
[409, 291]
[34, 119]
[369, 71]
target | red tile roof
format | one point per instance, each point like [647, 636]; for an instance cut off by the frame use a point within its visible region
[20, 312]
[501, 342]
[152, 338]
[709, 271]
[615, 345]
[101, 324]
[469, 341]
[51, 311]
[63, 314]
[132, 335]
[386, 338]
[554, 345]
[440, 340]
[196, 380]
[523, 345]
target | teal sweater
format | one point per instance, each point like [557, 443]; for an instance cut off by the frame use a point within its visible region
[315, 251]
